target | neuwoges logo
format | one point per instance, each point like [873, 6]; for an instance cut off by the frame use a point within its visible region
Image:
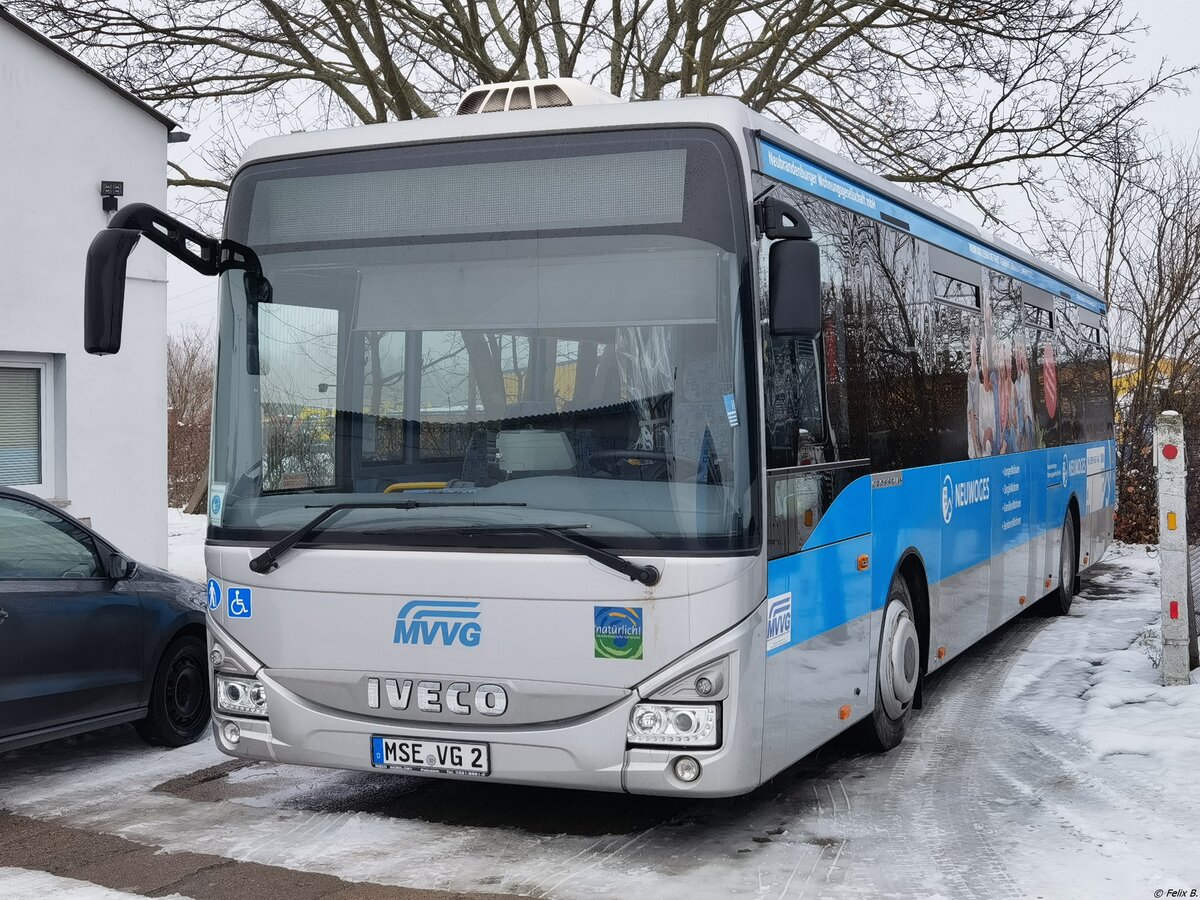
[433, 621]
[963, 493]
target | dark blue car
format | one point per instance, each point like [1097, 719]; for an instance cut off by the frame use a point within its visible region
[90, 638]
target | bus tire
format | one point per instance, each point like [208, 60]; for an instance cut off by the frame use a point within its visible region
[898, 671]
[1058, 603]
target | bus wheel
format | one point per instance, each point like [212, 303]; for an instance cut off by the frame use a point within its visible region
[899, 670]
[1058, 603]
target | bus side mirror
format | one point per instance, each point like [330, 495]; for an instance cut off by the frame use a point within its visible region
[794, 290]
[104, 289]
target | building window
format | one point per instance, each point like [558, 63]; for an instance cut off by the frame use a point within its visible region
[23, 410]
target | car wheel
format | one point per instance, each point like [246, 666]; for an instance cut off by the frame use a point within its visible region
[179, 703]
[898, 671]
[1058, 603]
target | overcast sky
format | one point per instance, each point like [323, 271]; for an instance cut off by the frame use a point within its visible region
[1172, 32]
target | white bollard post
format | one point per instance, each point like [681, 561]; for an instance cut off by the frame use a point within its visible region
[1170, 460]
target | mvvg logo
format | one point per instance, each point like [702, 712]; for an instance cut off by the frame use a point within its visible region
[779, 621]
[439, 621]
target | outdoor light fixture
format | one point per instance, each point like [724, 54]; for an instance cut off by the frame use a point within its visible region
[110, 191]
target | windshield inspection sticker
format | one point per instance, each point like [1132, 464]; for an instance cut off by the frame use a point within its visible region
[618, 632]
[214, 595]
[731, 410]
[216, 503]
[240, 603]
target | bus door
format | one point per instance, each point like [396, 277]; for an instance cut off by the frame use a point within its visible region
[818, 604]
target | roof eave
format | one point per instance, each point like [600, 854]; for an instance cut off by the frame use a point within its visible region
[31, 32]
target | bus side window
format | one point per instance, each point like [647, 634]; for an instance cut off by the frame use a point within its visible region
[1067, 358]
[953, 329]
[795, 430]
[1006, 374]
[1038, 319]
[896, 275]
[796, 501]
[1095, 381]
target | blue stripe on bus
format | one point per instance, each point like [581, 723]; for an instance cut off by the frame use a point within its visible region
[821, 182]
[848, 517]
[940, 511]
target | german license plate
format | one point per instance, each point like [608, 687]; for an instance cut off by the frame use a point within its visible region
[425, 755]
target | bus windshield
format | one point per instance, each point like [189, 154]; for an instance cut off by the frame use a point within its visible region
[528, 331]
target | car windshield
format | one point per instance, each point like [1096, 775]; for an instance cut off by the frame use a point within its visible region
[543, 331]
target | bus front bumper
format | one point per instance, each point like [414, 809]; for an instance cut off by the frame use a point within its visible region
[589, 753]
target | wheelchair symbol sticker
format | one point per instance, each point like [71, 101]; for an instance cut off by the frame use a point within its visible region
[240, 606]
[214, 595]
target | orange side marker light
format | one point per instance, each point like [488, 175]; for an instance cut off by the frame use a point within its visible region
[941, 652]
[864, 563]
[844, 713]
[1022, 599]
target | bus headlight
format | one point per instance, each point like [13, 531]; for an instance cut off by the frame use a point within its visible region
[241, 696]
[660, 724]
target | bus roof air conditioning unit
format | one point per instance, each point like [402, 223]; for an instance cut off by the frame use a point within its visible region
[537, 93]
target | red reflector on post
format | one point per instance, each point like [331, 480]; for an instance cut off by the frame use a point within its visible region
[1170, 451]
[1174, 609]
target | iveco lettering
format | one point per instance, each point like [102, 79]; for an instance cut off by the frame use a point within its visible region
[635, 447]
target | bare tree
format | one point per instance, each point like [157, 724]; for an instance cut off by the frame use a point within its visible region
[1134, 230]
[190, 362]
[949, 95]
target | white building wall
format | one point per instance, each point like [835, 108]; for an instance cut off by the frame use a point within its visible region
[63, 132]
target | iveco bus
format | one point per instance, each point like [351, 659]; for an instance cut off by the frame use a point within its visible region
[624, 446]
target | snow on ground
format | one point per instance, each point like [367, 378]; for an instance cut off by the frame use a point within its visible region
[185, 544]
[1122, 709]
[1048, 761]
[27, 884]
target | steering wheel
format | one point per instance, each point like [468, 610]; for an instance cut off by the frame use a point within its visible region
[655, 463]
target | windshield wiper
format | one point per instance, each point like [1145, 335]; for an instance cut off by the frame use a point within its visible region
[647, 575]
[268, 560]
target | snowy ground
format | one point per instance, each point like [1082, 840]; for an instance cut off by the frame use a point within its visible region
[18, 884]
[1048, 762]
[185, 544]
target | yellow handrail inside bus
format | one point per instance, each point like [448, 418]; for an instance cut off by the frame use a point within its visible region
[414, 486]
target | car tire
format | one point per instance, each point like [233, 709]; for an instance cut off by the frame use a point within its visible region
[179, 701]
[898, 671]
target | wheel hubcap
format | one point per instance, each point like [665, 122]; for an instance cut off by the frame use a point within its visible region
[899, 666]
[185, 693]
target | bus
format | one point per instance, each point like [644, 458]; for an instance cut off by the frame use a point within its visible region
[636, 447]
